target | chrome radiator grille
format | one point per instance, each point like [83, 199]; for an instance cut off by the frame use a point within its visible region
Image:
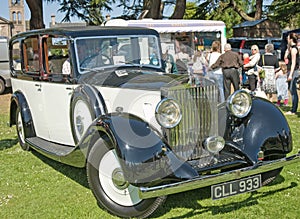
[199, 119]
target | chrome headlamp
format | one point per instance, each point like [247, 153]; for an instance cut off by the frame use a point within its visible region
[168, 113]
[214, 144]
[239, 103]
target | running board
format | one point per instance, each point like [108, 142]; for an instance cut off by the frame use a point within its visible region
[49, 147]
[63, 153]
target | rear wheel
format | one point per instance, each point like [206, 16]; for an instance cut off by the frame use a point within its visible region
[20, 130]
[111, 190]
[2, 86]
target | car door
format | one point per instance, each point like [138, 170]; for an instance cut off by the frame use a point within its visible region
[31, 84]
[57, 90]
[57, 100]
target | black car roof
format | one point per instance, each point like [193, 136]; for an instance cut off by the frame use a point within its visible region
[79, 31]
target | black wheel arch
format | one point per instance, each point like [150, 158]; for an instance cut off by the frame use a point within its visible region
[136, 152]
[18, 100]
[265, 129]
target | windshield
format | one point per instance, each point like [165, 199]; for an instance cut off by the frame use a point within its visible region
[102, 52]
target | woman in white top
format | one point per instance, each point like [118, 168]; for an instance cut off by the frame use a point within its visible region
[250, 68]
[216, 74]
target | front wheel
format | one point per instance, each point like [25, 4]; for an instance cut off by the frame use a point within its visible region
[108, 185]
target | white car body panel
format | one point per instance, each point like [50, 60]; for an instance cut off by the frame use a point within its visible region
[51, 122]
[34, 97]
[141, 103]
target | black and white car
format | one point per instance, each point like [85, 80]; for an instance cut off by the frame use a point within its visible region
[98, 98]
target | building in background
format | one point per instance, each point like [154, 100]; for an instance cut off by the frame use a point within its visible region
[17, 22]
[17, 15]
[5, 27]
[259, 28]
[53, 23]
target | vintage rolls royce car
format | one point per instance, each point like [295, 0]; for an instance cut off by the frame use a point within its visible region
[98, 98]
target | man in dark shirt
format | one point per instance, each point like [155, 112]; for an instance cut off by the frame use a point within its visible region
[230, 62]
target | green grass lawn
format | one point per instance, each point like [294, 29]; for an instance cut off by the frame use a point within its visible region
[33, 186]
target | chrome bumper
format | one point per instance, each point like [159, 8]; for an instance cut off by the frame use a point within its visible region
[204, 181]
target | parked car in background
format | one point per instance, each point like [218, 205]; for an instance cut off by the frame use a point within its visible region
[4, 65]
[98, 98]
[243, 45]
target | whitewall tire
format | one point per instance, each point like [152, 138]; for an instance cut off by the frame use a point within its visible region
[20, 130]
[111, 190]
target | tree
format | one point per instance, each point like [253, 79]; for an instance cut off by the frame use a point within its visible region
[36, 12]
[179, 9]
[286, 12]
[151, 8]
[87, 10]
[220, 10]
[237, 6]
[190, 10]
[229, 11]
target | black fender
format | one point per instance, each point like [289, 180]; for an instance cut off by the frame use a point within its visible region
[18, 100]
[94, 101]
[143, 154]
[265, 129]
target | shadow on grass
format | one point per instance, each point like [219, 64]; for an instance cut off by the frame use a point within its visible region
[187, 200]
[288, 108]
[7, 143]
[193, 197]
[74, 173]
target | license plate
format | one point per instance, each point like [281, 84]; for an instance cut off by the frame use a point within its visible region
[235, 187]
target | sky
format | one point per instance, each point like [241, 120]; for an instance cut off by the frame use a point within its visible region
[49, 9]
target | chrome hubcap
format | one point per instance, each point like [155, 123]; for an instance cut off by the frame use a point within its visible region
[118, 179]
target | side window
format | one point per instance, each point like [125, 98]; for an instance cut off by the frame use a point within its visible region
[31, 55]
[16, 57]
[56, 57]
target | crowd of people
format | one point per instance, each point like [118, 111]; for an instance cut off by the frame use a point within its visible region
[262, 70]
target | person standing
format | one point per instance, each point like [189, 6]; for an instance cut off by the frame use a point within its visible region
[216, 74]
[199, 63]
[292, 55]
[230, 62]
[281, 84]
[244, 78]
[250, 67]
[270, 62]
[169, 63]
